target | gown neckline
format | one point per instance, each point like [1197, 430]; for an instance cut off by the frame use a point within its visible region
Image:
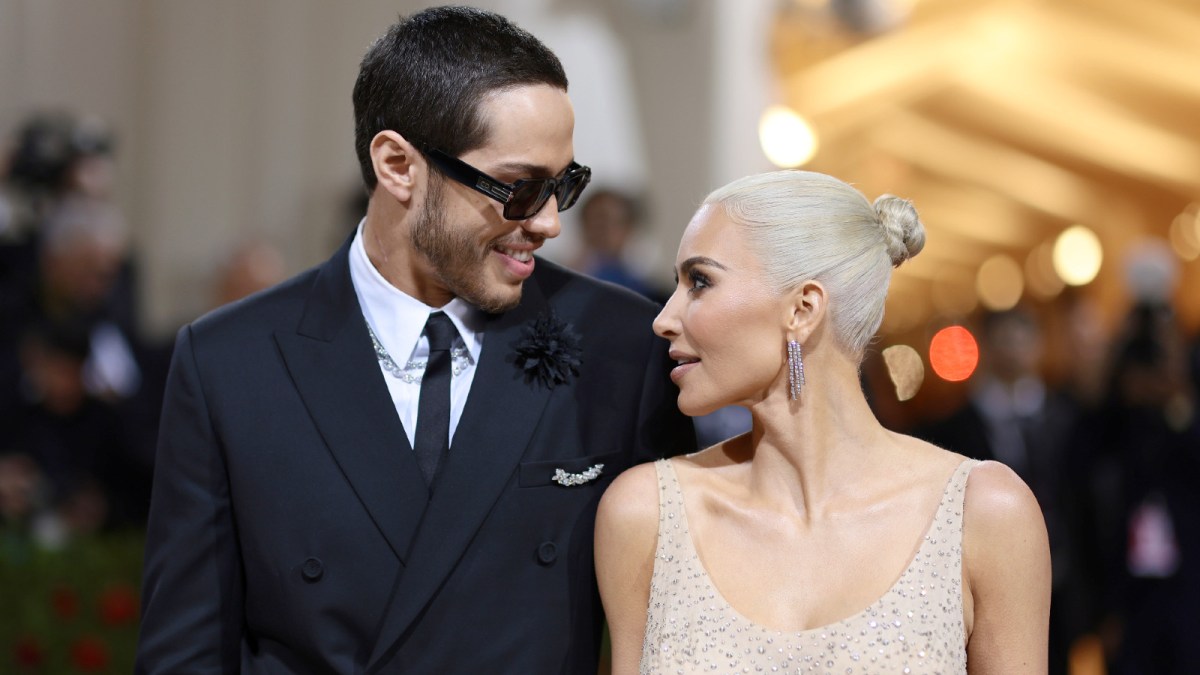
[712, 586]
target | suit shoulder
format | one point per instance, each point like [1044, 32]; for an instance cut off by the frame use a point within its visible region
[273, 307]
[560, 283]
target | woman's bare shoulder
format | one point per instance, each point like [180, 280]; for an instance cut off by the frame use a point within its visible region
[638, 486]
[631, 500]
[997, 498]
[1002, 521]
[1006, 569]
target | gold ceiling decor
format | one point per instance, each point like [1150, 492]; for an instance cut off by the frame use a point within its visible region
[1006, 122]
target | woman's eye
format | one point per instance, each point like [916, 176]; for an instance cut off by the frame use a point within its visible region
[698, 282]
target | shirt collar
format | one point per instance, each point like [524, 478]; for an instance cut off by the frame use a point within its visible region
[398, 318]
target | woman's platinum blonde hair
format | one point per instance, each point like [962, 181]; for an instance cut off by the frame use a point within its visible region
[804, 225]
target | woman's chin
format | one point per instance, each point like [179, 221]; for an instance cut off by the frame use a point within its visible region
[698, 408]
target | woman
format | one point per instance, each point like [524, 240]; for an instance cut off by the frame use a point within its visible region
[819, 541]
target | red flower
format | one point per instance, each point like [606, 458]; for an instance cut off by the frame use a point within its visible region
[118, 605]
[28, 652]
[89, 654]
[66, 602]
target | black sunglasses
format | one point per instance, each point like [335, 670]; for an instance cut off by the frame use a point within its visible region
[523, 199]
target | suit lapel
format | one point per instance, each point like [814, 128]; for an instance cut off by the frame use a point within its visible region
[498, 421]
[333, 365]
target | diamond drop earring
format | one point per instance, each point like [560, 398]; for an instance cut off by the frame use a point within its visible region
[795, 369]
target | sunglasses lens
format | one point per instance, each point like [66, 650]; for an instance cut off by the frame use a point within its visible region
[530, 195]
[569, 190]
[528, 198]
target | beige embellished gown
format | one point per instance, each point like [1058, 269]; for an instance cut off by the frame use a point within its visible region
[916, 627]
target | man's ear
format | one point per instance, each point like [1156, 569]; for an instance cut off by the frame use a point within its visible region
[805, 310]
[397, 164]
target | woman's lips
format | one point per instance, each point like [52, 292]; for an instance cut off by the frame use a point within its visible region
[682, 369]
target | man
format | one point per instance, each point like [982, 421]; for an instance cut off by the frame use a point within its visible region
[307, 515]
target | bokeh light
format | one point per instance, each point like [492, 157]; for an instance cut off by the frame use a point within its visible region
[786, 138]
[1000, 283]
[1040, 277]
[953, 353]
[906, 370]
[1185, 233]
[1077, 255]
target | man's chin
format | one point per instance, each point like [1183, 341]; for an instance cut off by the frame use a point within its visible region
[495, 299]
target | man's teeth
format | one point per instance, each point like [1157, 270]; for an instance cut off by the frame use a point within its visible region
[520, 256]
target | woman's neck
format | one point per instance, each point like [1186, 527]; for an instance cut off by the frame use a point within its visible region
[808, 452]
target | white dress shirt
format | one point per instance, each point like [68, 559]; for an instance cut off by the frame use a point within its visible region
[398, 321]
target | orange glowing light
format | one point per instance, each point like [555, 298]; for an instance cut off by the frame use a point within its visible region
[953, 353]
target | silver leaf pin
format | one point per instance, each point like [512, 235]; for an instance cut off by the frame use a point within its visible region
[587, 475]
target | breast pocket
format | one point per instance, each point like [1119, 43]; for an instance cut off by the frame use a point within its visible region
[573, 473]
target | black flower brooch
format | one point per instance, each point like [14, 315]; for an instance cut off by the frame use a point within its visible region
[548, 351]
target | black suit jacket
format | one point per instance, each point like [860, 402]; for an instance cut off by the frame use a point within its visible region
[290, 528]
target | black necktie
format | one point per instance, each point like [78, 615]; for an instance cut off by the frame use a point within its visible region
[433, 410]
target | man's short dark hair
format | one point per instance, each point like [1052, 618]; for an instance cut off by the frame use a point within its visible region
[427, 75]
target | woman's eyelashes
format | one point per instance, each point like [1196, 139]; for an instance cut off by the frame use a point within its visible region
[697, 281]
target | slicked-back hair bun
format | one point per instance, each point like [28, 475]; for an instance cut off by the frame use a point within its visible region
[903, 232]
[805, 225]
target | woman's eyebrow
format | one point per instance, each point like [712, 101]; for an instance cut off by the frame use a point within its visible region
[698, 260]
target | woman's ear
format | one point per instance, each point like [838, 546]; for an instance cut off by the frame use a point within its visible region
[397, 164]
[805, 310]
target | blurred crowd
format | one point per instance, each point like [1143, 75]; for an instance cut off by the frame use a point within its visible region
[79, 398]
[1110, 444]
[1111, 450]
[80, 382]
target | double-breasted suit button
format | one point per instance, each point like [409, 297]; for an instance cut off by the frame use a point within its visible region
[547, 553]
[312, 570]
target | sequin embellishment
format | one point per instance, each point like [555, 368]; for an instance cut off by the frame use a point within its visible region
[915, 627]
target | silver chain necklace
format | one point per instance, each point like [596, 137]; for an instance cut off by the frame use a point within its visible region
[413, 371]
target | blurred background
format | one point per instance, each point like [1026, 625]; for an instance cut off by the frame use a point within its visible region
[161, 158]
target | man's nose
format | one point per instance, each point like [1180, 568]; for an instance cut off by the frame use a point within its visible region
[545, 222]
